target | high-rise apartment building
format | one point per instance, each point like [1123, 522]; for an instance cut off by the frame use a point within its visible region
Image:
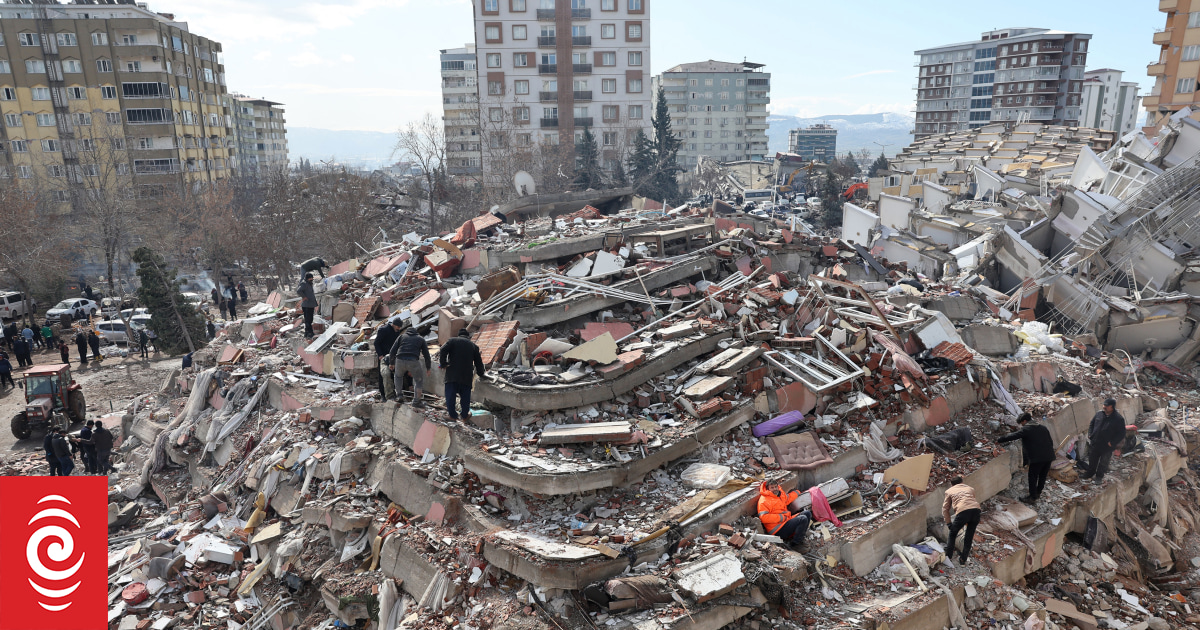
[260, 132]
[1011, 74]
[109, 92]
[1108, 102]
[460, 112]
[816, 142]
[548, 69]
[718, 109]
[1176, 70]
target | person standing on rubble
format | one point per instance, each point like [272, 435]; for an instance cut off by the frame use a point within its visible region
[405, 358]
[62, 450]
[102, 443]
[308, 303]
[1105, 434]
[1037, 447]
[960, 500]
[94, 341]
[87, 452]
[458, 357]
[81, 344]
[384, 338]
[51, 458]
[232, 300]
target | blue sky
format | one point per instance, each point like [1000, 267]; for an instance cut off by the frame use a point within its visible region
[373, 64]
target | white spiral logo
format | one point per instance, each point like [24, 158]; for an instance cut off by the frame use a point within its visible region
[58, 551]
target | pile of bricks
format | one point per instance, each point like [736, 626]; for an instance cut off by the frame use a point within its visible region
[493, 338]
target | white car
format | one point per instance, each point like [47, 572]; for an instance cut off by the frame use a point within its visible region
[78, 309]
[112, 331]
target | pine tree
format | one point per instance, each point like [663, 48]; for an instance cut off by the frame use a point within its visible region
[851, 165]
[619, 179]
[666, 150]
[831, 200]
[878, 166]
[587, 163]
[178, 326]
[641, 165]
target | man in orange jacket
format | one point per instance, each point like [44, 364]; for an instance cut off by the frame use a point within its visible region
[778, 519]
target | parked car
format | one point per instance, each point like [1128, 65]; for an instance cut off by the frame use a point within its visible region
[131, 312]
[12, 305]
[197, 300]
[77, 309]
[112, 331]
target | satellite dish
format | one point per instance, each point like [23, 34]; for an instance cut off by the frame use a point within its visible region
[524, 184]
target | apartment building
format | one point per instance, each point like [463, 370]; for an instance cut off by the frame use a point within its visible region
[260, 134]
[1177, 69]
[1108, 102]
[460, 112]
[1011, 74]
[816, 142]
[85, 86]
[548, 69]
[718, 109]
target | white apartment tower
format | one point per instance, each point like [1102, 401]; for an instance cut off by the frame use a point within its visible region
[718, 109]
[1108, 102]
[460, 112]
[547, 69]
[1010, 74]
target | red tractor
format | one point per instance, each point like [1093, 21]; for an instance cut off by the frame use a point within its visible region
[52, 399]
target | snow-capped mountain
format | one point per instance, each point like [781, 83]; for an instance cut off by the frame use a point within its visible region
[855, 131]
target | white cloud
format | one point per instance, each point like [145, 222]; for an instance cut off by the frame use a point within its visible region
[308, 57]
[348, 58]
[868, 73]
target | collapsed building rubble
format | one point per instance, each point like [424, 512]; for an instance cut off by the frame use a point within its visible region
[648, 372]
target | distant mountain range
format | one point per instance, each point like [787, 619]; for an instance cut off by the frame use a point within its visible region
[355, 148]
[855, 131]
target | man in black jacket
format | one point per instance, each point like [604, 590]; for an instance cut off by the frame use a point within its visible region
[1037, 447]
[384, 338]
[87, 452]
[405, 358]
[62, 450]
[457, 357]
[1105, 434]
[308, 303]
[51, 458]
[102, 443]
[81, 344]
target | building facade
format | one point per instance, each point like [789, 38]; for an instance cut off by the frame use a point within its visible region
[1108, 102]
[260, 133]
[548, 69]
[95, 90]
[460, 112]
[1011, 74]
[817, 142]
[1177, 70]
[718, 109]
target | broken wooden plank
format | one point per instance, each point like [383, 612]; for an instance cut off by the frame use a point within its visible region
[579, 433]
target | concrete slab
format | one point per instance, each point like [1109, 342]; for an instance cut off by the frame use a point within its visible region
[990, 340]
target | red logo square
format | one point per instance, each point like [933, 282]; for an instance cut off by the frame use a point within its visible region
[54, 553]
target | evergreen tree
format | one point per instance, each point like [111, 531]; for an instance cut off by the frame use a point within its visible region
[666, 150]
[619, 178]
[831, 200]
[851, 165]
[641, 165]
[878, 166]
[178, 326]
[587, 163]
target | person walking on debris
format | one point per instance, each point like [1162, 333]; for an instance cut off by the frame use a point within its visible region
[960, 500]
[94, 341]
[210, 329]
[6, 372]
[87, 452]
[62, 450]
[405, 358]
[81, 344]
[1105, 434]
[778, 519]
[314, 264]
[1037, 448]
[51, 458]
[384, 338]
[232, 301]
[308, 303]
[458, 357]
[143, 343]
[102, 443]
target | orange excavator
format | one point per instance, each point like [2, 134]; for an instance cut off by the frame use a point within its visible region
[854, 190]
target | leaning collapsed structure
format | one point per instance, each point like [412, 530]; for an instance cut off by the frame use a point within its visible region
[649, 370]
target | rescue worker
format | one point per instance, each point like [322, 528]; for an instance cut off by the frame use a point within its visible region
[1037, 449]
[405, 358]
[81, 344]
[384, 338]
[314, 264]
[778, 519]
[308, 303]
[94, 341]
[51, 458]
[87, 452]
[1105, 433]
[457, 358]
[961, 502]
[102, 443]
[62, 450]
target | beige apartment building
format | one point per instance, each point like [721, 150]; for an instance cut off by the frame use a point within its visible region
[260, 133]
[110, 92]
[1177, 68]
[718, 109]
[460, 113]
[547, 69]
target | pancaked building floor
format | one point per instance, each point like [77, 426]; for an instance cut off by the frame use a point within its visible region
[647, 371]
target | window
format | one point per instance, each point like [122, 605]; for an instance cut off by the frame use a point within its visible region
[491, 33]
[633, 86]
[609, 138]
[29, 39]
[12, 120]
[495, 88]
[108, 92]
[148, 115]
[133, 66]
[608, 5]
[76, 93]
[517, 6]
[8, 94]
[208, 75]
[72, 66]
[608, 31]
[521, 114]
[101, 39]
[609, 112]
[493, 60]
[119, 144]
[708, 133]
[1185, 86]
[708, 82]
[608, 59]
[41, 94]
[550, 138]
[83, 119]
[1193, 20]
[635, 58]
[1190, 53]
[724, 95]
[103, 65]
[25, 172]
[633, 32]
[491, 6]
[635, 112]
[608, 86]
[5, 67]
[51, 146]
[741, 82]
[550, 113]
[495, 114]
[521, 86]
[122, 168]
[112, 118]
[19, 146]
[67, 39]
[520, 31]
[35, 66]
[635, 5]
[45, 120]
[520, 60]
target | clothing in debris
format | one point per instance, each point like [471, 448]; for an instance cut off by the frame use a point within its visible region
[951, 441]
[821, 509]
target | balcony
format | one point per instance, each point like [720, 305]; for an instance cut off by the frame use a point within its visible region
[581, 68]
[581, 14]
[547, 68]
[547, 42]
[1163, 37]
[581, 40]
[583, 122]
[1150, 100]
[545, 14]
[1156, 69]
[583, 95]
[548, 97]
[1167, 6]
[549, 122]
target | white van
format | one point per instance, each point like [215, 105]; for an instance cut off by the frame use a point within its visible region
[12, 305]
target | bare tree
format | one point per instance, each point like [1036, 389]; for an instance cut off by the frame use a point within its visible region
[344, 213]
[33, 255]
[424, 144]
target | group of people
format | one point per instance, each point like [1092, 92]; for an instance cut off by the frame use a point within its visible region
[405, 353]
[226, 299]
[23, 340]
[94, 446]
